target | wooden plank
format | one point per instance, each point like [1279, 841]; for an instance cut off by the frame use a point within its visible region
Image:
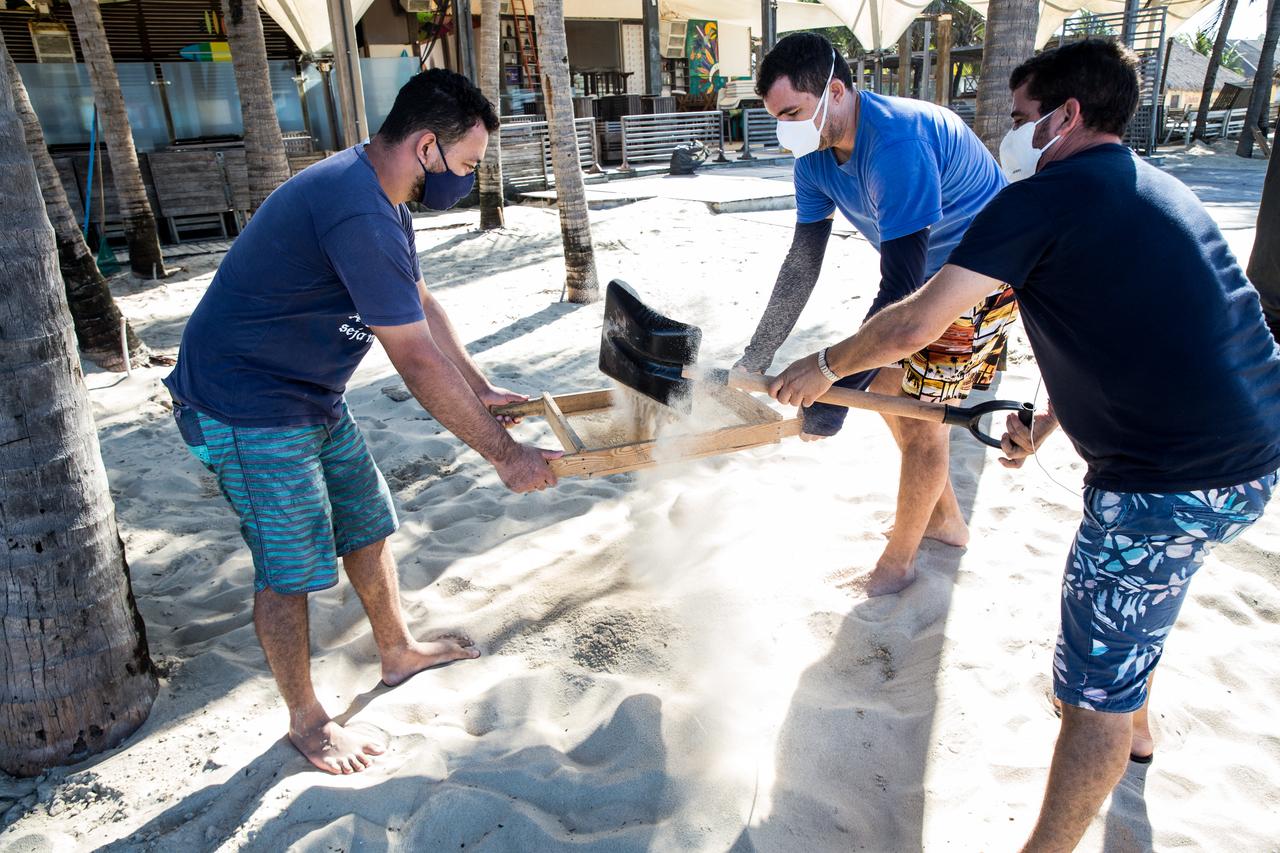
[579, 403]
[741, 403]
[644, 454]
[560, 425]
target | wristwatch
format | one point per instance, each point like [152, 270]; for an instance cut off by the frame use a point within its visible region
[822, 365]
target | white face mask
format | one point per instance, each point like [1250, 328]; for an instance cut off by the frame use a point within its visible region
[802, 137]
[1018, 154]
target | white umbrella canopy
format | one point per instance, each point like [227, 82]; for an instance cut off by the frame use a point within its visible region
[1054, 12]
[876, 23]
[879, 23]
[307, 21]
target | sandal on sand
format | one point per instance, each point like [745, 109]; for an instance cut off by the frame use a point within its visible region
[1141, 759]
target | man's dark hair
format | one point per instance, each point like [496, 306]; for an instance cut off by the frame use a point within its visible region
[1101, 74]
[441, 101]
[805, 60]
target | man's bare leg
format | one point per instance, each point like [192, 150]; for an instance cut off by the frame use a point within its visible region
[372, 570]
[1088, 760]
[925, 498]
[281, 623]
[946, 523]
[1144, 745]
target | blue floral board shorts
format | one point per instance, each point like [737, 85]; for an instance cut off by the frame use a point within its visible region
[305, 495]
[1126, 579]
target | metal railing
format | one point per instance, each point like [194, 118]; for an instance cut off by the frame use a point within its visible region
[526, 151]
[759, 130]
[654, 137]
[1144, 31]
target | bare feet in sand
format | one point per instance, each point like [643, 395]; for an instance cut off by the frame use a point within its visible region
[404, 663]
[332, 748]
[884, 580]
[888, 579]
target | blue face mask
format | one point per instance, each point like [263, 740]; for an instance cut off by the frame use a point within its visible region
[442, 190]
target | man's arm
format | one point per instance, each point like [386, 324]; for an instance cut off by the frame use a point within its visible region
[450, 344]
[891, 335]
[441, 388]
[902, 266]
[791, 292]
[446, 339]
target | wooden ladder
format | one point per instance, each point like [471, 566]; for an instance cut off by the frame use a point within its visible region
[526, 46]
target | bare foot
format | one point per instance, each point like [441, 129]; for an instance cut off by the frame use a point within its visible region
[888, 579]
[808, 436]
[884, 580]
[401, 665]
[334, 749]
[953, 532]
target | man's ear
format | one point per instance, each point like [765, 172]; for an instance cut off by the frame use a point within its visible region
[424, 143]
[1072, 116]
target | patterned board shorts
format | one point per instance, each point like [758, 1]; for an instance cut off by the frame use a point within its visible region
[967, 355]
[305, 495]
[1126, 579]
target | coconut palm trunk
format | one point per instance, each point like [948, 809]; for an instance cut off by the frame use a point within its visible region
[75, 674]
[131, 193]
[1260, 98]
[1211, 74]
[581, 284]
[490, 177]
[263, 143]
[1009, 40]
[1264, 262]
[93, 309]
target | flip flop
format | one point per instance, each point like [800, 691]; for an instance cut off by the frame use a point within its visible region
[1141, 759]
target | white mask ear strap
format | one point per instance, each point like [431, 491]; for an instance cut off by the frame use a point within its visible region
[826, 91]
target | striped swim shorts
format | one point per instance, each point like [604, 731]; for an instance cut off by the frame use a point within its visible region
[967, 355]
[305, 495]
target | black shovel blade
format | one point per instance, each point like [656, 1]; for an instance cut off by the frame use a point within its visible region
[646, 351]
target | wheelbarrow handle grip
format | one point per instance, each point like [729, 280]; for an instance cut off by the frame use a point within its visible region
[961, 416]
[970, 417]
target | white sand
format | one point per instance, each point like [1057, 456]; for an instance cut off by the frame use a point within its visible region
[667, 665]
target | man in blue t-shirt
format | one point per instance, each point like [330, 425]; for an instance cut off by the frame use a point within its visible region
[910, 176]
[1160, 369]
[327, 264]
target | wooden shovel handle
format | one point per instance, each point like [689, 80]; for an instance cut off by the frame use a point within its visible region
[850, 398]
[969, 418]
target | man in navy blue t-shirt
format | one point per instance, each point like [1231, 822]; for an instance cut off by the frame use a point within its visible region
[1160, 369]
[327, 264]
[910, 176]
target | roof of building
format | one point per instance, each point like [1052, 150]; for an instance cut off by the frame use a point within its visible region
[1187, 68]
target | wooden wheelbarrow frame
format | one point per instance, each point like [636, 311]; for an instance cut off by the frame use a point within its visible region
[761, 425]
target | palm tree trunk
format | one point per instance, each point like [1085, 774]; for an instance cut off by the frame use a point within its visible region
[571, 193]
[263, 144]
[1264, 262]
[1010, 40]
[75, 675]
[131, 193]
[1260, 98]
[97, 319]
[1211, 74]
[490, 177]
